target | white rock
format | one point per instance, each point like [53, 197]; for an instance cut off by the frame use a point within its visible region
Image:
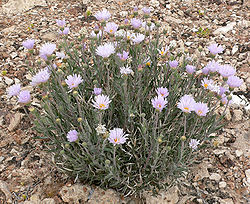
[222, 184]
[48, 201]
[154, 3]
[225, 29]
[238, 153]
[8, 81]
[236, 100]
[188, 43]
[235, 49]
[219, 151]
[226, 201]
[247, 172]
[215, 176]
[19, 6]
[124, 14]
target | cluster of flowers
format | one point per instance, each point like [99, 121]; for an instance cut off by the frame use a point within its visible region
[101, 102]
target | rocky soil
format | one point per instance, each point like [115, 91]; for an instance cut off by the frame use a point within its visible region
[221, 173]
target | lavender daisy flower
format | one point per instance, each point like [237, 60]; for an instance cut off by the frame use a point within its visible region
[14, 90]
[227, 70]
[136, 23]
[103, 15]
[146, 10]
[29, 44]
[224, 100]
[234, 81]
[105, 50]
[194, 143]
[205, 70]
[61, 23]
[190, 69]
[201, 109]
[96, 35]
[72, 135]
[73, 81]
[163, 51]
[123, 56]
[213, 66]
[111, 28]
[60, 55]
[46, 50]
[222, 90]
[97, 91]
[40, 77]
[64, 32]
[173, 64]
[206, 82]
[137, 38]
[126, 21]
[117, 136]
[186, 103]
[215, 49]
[159, 102]
[101, 102]
[24, 97]
[162, 92]
[126, 70]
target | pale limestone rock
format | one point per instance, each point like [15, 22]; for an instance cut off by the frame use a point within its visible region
[5, 190]
[238, 153]
[107, 197]
[171, 197]
[222, 184]
[19, 6]
[238, 115]
[215, 176]
[15, 121]
[225, 29]
[49, 36]
[74, 193]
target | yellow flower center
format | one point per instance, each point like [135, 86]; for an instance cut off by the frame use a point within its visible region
[162, 94]
[186, 108]
[148, 63]
[111, 31]
[115, 139]
[162, 52]
[199, 112]
[102, 105]
[128, 37]
[205, 85]
[159, 105]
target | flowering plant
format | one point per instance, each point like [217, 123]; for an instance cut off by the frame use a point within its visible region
[122, 109]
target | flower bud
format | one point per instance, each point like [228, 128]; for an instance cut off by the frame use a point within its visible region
[59, 71]
[199, 48]
[168, 148]
[58, 120]
[160, 140]
[62, 152]
[31, 109]
[44, 97]
[63, 83]
[85, 66]
[183, 138]
[88, 12]
[75, 93]
[143, 115]
[107, 162]
[79, 120]
[84, 144]
[95, 82]
[229, 98]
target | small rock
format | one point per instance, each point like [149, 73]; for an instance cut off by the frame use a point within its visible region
[154, 3]
[1, 159]
[238, 115]
[49, 36]
[238, 153]
[227, 201]
[225, 29]
[215, 176]
[48, 201]
[101, 196]
[222, 184]
[124, 14]
[14, 122]
[7, 193]
[247, 172]
[8, 81]
[219, 151]
[235, 49]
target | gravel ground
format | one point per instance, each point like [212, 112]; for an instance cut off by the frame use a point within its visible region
[221, 173]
